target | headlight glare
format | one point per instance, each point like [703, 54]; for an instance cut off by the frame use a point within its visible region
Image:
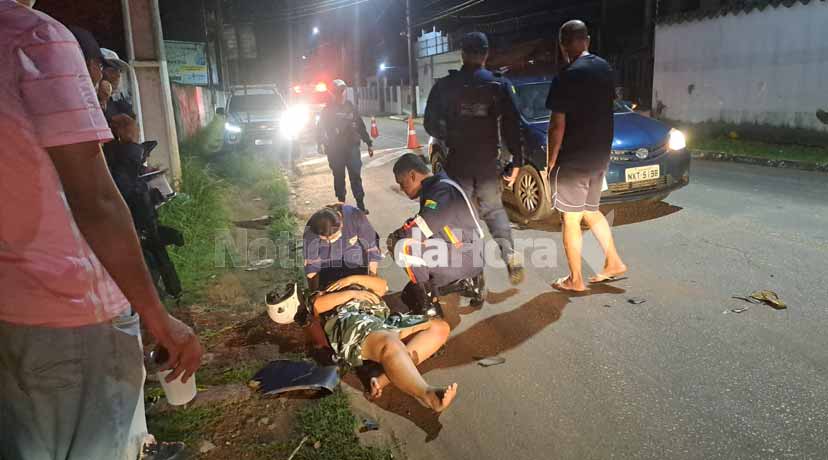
[294, 120]
[677, 140]
[231, 128]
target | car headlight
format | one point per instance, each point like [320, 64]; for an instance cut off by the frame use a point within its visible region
[294, 120]
[231, 128]
[677, 140]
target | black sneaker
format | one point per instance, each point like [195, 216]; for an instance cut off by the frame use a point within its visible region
[164, 451]
[361, 206]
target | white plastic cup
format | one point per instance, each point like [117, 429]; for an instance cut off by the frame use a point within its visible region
[177, 392]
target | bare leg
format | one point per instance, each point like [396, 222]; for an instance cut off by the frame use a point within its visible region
[423, 345]
[387, 349]
[613, 266]
[573, 241]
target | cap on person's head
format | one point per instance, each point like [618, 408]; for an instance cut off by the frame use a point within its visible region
[339, 86]
[90, 47]
[475, 43]
[111, 59]
[282, 309]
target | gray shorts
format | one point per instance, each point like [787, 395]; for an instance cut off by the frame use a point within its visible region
[72, 393]
[576, 190]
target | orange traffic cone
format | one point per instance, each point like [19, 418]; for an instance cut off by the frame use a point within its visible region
[374, 129]
[413, 143]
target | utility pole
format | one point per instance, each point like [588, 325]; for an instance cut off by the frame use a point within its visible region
[291, 54]
[357, 57]
[207, 53]
[412, 85]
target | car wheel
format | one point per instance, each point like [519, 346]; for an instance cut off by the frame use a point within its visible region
[530, 194]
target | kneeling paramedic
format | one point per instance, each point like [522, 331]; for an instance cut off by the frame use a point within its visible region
[446, 226]
[360, 327]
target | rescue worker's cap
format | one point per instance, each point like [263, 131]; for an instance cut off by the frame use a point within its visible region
[90, 47]
[475, 42]
[339, 86]
[282, 309]
[112, 59]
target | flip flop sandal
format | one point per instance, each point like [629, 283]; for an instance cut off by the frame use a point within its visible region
[559, 286]
[608, 279]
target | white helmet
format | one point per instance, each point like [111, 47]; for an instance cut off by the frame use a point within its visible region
[283, 309]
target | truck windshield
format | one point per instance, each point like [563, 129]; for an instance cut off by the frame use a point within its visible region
[255, 103]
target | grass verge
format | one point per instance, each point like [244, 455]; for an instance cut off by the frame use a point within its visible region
[790, 152]
[185, 425]
[199, 212]
[329, 431]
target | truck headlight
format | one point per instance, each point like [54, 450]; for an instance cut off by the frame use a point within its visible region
[231, 128]
[677, 140]
[294, 120]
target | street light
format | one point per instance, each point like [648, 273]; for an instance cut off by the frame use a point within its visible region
[316, 30]
[383, 66]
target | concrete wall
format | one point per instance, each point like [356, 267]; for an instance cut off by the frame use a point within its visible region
[767, 67]
[193, 109]
[376, 100]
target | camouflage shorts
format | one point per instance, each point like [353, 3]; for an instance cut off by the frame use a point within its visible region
[352, 324]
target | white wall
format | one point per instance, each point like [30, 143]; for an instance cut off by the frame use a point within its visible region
[430, 68]
[768, 67]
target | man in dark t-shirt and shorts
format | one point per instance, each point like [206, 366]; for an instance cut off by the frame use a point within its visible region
[580, 140]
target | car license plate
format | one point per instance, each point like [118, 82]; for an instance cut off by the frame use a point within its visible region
[264, 142]
[643, 173]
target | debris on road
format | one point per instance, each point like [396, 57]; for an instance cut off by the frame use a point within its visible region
[489, 361]
[368, 425]
[285, 376]
[636, 300]
[606, 305]
[736, 310]
[765, 297]
[206, 446]
[769, 298]
[295, 451]
[260, 264]
[259, 223]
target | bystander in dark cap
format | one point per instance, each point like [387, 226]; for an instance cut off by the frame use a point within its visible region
[475, 42]
[88, 44]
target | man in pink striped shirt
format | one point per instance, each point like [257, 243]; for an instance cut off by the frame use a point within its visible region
[71, 268]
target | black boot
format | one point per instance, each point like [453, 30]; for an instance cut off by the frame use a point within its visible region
[476, 291]
[420, 301]
[361, 205]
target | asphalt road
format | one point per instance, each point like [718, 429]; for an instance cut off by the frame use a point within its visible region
[672, 378]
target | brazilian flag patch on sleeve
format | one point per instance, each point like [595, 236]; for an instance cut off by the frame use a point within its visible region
[431, 204]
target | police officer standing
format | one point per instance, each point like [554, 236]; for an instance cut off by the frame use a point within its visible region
[445, 226]
[465, 109]
[339, 132]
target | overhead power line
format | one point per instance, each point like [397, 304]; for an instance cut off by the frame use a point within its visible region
[451, 11]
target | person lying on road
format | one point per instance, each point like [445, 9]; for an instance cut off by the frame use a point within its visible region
[360, 326]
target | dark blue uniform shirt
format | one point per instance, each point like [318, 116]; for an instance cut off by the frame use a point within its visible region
[464, 109]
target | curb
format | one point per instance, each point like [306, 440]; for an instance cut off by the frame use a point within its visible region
[786, 164]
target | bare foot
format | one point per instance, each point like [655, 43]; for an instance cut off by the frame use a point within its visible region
[608, 273]
[566, 284]
[439, 399]
[377, 385]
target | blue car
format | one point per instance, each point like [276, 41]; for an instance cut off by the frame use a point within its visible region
[649, 159]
